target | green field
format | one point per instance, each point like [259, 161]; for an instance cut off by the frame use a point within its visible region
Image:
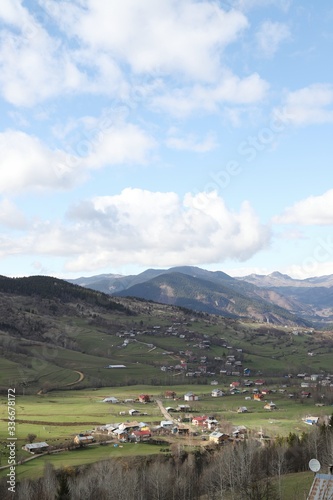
[58, 416]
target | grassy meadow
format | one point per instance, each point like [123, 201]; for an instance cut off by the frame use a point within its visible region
[58, 416]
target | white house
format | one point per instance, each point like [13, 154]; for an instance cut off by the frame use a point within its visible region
[110, 399]
[190, 396]
[167, 424]
[216, 393]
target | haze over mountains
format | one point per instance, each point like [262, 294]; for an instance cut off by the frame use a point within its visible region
[275, 298]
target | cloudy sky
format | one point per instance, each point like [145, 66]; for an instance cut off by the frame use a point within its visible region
[148, 133]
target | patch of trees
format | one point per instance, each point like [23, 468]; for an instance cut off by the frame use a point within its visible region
[47, 287]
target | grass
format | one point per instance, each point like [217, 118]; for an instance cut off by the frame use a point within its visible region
[296, 486]
[87, 455]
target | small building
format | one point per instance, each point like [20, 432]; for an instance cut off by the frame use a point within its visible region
[311, 420]
[322, 486]
[121, 435]
[257, 397]
[129, 426]
[190, 396]
[218, 437]
[200, 420]
[110, 399]
[170, 395]
[183, 408]
[82, 439]
[270, 406]
[140, 436]
[144, 398]
[35, 448]
[167, 424]
[134, 412]
[217, 393]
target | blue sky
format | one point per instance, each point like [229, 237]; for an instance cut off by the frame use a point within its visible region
[140, 134]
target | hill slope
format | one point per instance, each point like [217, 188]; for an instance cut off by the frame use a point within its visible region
[304, 301]
[54, 335]
[212, 293]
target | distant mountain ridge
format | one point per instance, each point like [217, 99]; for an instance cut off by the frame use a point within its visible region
[275, 298]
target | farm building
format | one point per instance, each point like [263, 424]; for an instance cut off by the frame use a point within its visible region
[257, 397]
[311, 420]
[167, 424]
[110, 399]
[322, 487]
[190, 396]
[121, 435]
[170, 394]
[270, 406]
[183, 408]
[217, 393]
[36, 447]
[199, 421]
[84, 439]
[134, 412]
[144, 398]
[127, 426]
[140, 436]
[218, 437]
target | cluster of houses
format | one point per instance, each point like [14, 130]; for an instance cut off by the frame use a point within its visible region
[315, 380]
[127, 431]
[140, 431]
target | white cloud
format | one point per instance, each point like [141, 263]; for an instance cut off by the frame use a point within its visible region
[309, 105]
[11, 216]
[315, 210]
[145, 228]
[190, 142]
[12, 12]
[27, 163]
[34, 66]
[122, 143]
[153, 37]
[231, 89]
[270, 36]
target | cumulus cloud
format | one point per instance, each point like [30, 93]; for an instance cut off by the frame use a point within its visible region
[231, 89]
[314, 210]
[33, 65]
[309, 105]
[117, 48]
[27, 163]
[270, 36]
[153, 37]
[145, 228]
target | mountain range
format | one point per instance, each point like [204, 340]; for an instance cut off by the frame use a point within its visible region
[274, 298]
